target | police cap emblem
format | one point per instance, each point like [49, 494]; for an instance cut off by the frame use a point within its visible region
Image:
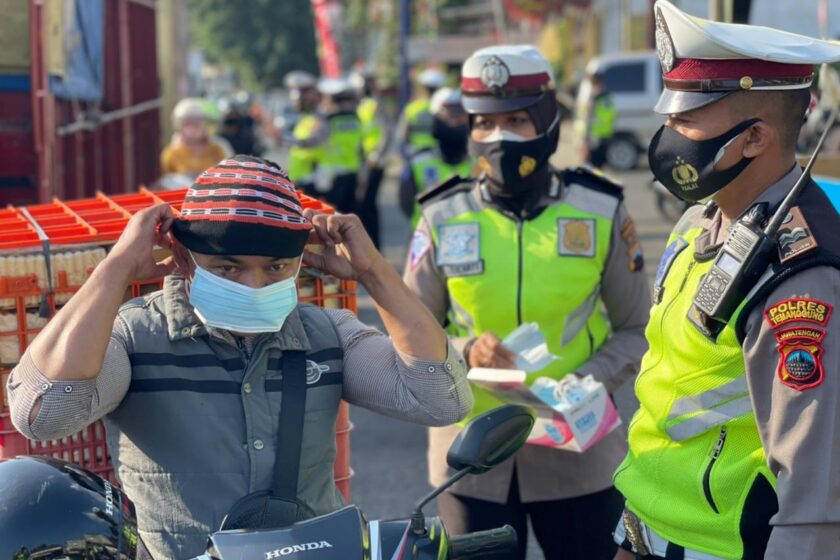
[495, 73]
[664, 43]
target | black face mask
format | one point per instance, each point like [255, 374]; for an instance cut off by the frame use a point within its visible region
[452, 140]
[515, 167]
[686, 167]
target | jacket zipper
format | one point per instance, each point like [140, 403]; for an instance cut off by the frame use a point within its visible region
[714, 454]
[519, 274]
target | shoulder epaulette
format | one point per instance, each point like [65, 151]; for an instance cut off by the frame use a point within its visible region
[594, 179]
[454, 184]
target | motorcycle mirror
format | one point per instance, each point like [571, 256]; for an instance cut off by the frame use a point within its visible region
[491, 438]
[487, 440]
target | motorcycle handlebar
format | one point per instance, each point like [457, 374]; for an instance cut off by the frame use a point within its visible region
[471, 545]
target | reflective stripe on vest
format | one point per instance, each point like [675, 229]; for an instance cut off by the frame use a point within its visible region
[501, 272]
[717, 406]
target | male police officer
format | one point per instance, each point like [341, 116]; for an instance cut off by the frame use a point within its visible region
[733, 452]
[327, 155]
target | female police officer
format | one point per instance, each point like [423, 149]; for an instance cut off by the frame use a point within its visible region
[528, 243]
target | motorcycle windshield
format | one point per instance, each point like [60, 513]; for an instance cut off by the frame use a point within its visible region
[341, 535]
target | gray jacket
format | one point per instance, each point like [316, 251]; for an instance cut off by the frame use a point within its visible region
[192, 415]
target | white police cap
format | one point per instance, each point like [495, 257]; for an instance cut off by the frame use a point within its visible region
[703, 61]
[445, 98]
[505, 78]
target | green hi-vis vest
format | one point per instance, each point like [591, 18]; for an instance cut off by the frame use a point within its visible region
[604, 114]
[303, 157]
[371, 129]
[430, 170]
[502, 272]
[419, 119]
[696, 465]
[320, 163]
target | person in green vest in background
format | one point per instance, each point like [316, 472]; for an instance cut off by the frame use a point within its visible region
[308, 130]
[415, 128]
[432, 166]
[329, 146]
[377, 126]
[601, 125]
[734, 453]
[526, 243]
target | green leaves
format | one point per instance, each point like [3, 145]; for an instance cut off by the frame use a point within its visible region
[261, 40]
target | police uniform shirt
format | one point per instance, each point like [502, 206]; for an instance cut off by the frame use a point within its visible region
[799, 422]
[544, 473]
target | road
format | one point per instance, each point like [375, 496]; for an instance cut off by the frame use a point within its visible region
[388, 456]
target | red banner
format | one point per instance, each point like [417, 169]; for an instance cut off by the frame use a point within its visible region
[327, 46]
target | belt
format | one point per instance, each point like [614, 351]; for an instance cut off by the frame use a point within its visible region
[645, 541]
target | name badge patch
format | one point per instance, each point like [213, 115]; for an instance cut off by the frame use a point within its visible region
[460, 245]
[576, 237]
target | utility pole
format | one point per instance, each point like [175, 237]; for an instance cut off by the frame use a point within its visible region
[499, 21]
[405, 29]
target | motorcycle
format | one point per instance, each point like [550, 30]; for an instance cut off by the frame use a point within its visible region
[485, 442]
[669, 206]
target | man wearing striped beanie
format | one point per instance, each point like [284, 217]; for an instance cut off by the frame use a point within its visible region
[190, 380]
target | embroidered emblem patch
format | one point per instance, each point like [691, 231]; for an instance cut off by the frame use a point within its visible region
[634, 247]
[576, 237]
[798, 309]
[800, 357]
[460, 244]
[671, 251]
[795, 236]
[420, 245]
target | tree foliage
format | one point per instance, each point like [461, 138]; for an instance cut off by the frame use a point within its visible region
[261, 40]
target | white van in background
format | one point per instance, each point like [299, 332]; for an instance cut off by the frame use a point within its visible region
[634, 82]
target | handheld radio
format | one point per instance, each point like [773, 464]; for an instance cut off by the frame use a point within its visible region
[745, 254]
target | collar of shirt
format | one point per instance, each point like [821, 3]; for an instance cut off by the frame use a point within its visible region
[184, 323]
[717, 226]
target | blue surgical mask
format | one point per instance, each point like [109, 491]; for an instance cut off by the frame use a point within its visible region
[225, 304]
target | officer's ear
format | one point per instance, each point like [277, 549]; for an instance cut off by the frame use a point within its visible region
[758, 139]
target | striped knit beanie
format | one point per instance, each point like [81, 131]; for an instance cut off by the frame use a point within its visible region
[243, 206]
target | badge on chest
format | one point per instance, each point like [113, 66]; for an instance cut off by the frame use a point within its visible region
[576, 237]
[459, 250]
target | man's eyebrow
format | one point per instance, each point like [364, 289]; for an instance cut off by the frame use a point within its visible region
[227, 258]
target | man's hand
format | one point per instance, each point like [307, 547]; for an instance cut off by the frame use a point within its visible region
[134, 248]
[624, 555]
[487, 351]
[347, 250]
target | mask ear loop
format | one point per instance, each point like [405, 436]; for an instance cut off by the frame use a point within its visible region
[722, 150]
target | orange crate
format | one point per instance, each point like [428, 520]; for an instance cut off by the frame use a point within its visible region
[96, 221]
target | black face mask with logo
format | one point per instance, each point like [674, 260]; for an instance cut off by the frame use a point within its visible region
[686, 167]
[515, 167]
